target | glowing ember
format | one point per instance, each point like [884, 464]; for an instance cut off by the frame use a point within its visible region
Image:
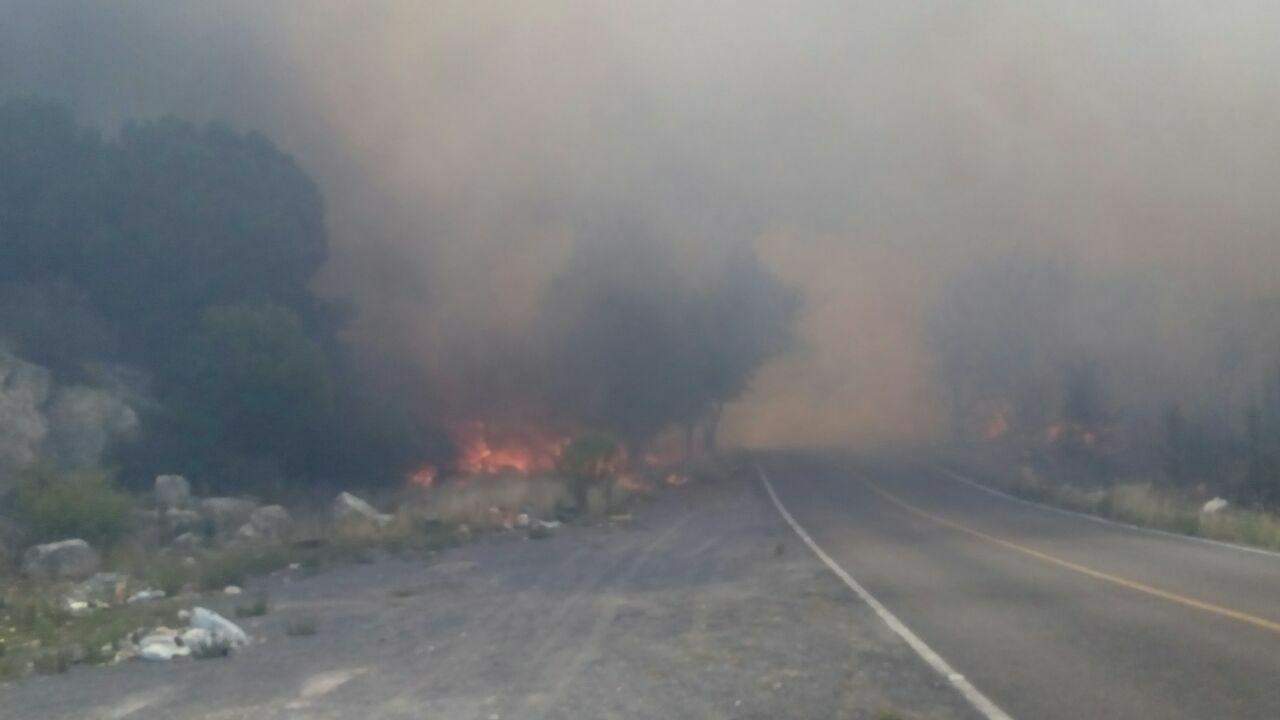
[482, 451]
[424, 477]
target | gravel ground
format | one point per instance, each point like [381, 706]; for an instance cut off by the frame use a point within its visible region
[704, 605]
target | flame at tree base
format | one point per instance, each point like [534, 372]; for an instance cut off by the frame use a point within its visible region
[483, 450]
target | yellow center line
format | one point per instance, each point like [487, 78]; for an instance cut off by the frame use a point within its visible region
[1096, 574]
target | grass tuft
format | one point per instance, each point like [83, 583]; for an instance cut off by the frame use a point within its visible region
[259, 607]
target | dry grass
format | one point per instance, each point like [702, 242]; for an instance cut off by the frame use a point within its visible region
[1146, 505]
[470, 501]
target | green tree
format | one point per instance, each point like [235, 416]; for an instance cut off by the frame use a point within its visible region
[640, 345]
[250, 384]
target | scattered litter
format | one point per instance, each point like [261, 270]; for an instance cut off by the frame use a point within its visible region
[78, 608]
[232, 590]
[145, 596]
[159, 648]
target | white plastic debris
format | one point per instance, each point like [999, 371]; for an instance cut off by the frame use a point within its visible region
[232, 590]
[78, 608]
[145, 596]
[159, 648]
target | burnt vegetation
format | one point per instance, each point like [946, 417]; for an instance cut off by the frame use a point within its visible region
[1109, 379]
[166, 273]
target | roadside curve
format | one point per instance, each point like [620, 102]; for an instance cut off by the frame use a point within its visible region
[966, 480]
[980, 702]
[1173, 597]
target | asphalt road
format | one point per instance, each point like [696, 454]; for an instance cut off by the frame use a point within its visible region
[702, 606]
[1050, 616]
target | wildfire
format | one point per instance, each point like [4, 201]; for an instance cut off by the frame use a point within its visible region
[424, 477]
[484, 451]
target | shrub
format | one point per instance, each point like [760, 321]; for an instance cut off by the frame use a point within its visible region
[84, 504]
[53, 662]
[215, 647]
[257, 608]
[588, 461]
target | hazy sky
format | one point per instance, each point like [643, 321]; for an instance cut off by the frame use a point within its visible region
[870, 149]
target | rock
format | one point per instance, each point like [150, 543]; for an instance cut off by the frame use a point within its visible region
[247, 534]
[226, 514]
[232, 590]
[179, 522]
[188, 542]
[172, 491]
[348, 508]
[218, 626]
[103, 586]
[270, 523]
[65, 560]
[1214, 506]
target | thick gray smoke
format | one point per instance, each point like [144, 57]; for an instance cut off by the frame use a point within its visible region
[873, 152]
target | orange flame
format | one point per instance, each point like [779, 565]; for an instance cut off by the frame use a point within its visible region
[424, 477]
[482, 451]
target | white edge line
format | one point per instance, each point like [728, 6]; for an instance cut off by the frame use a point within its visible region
[980, 702]
[1095, 518]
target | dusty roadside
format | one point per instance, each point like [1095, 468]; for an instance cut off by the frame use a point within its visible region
[703, 605]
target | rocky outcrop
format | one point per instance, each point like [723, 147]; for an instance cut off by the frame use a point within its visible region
[270, 523]
[226, 514]
[65, 560]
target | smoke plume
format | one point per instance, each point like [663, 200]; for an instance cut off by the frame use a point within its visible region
[874, 154]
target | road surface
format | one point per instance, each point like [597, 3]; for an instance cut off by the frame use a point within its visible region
[1050, 616]
[704, 606]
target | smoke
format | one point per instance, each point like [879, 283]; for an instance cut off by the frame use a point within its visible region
[872, 152]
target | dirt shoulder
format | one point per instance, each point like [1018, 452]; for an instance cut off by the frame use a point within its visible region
[703, 605]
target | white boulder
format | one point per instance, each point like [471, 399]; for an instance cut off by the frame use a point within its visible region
[270, 523]
[1214, 506]
[348, 507]
[172, 491]
[218, 627]
[65, 560]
